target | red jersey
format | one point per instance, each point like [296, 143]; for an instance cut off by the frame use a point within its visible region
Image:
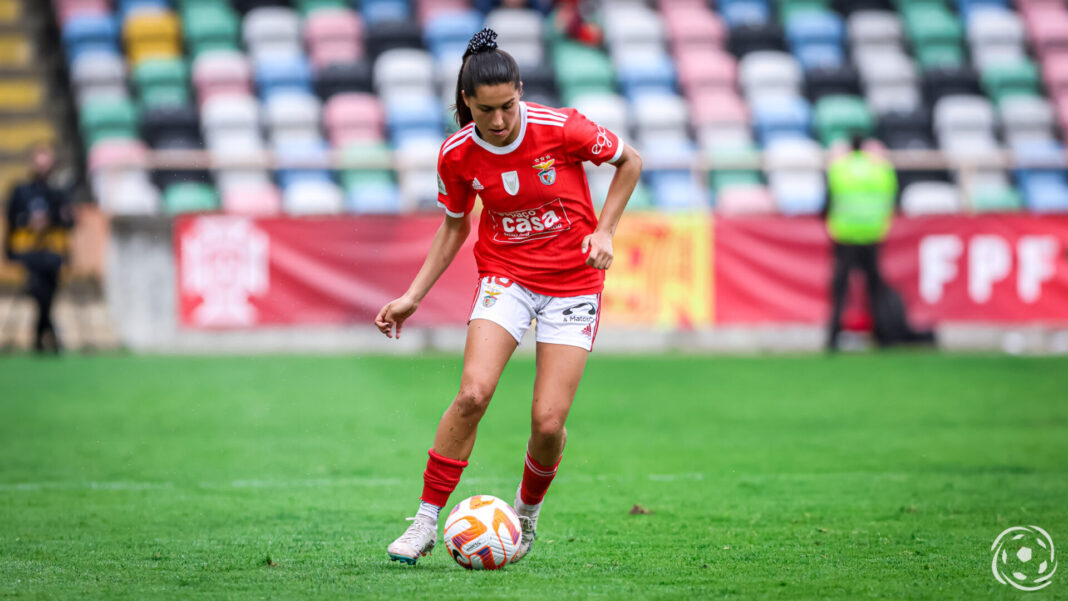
[536, 201]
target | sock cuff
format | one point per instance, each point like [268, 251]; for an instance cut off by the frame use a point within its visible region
[446, 460]
[540, 469]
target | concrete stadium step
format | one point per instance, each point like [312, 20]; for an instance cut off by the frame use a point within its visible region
[20, 134]
[16, 51]
[21, 95]
[12, 171]
[10, 12]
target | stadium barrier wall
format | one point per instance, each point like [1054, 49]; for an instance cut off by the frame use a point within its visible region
[686, 282]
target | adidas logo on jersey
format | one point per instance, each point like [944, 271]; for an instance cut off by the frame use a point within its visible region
[477, 185]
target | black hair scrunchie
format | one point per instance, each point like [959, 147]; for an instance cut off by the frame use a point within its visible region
[482, 41]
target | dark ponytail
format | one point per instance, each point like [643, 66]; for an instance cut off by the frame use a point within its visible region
[483, 64]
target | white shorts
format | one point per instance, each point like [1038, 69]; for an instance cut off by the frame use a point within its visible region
[570, 320]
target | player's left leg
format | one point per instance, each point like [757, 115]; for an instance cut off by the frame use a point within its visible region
[559, 371]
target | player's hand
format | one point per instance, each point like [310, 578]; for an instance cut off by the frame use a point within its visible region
[394, 314]
[598, 248]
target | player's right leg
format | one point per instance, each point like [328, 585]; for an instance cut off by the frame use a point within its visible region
[488, 348]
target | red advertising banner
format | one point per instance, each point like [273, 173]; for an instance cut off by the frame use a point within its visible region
[1009, 269]
[241, 272]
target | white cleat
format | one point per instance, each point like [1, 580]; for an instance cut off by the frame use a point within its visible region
[418, 540]
[528, 519]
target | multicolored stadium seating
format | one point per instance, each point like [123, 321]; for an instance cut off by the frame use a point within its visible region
[367, 84]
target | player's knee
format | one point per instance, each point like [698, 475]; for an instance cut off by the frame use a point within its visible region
[547, 427]
[473, 399]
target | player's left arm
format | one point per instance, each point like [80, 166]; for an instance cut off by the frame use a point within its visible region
[598, 245]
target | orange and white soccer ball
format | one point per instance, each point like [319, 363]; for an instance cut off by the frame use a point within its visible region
[482, 533]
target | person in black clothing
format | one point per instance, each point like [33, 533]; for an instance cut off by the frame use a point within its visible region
[39, 219]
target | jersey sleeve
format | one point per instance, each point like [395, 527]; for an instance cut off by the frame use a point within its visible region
[588, 141]
[453, 195]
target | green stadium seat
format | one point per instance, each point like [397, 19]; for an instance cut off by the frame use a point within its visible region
[1001, 80]
[353, 177]
[719, 179]
[190, 197]
[1002, 199]
[581, 69]
[936, 34]
[162, 81]
[307, 6]
[839, 116]
[106, 117]
[789, 8]
[209, 26]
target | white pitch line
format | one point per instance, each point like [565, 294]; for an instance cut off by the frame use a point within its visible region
[312, 483]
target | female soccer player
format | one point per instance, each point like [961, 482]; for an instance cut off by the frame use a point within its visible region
[541, 253]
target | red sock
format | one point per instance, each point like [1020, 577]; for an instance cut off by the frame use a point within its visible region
[440, 478]
[536, 480]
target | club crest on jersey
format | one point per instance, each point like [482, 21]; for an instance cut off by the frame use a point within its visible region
[546, 171]
[511, 182]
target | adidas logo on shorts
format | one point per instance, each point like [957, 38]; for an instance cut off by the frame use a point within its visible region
[588, 330]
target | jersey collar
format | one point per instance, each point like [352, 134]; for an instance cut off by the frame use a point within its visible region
[515, 143]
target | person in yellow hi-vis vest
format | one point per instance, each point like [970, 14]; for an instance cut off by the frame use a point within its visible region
[39, 219]
[862, 187]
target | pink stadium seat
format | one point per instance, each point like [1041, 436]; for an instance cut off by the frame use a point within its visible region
[117, 152]
[702, 69]
[324, 54]
[332, 25]
[1047, 29]
[745, 200]
[1055, 70]
[65, 9]
[221, 71]
[353, 116]
[693, 24]
[717, 105]
[253, 200]
[427, 9]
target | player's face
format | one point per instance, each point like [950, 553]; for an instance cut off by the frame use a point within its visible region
[495, 109]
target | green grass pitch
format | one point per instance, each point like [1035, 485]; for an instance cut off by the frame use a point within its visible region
[850, 477]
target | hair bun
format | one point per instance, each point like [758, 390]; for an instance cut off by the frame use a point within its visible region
[482, 41]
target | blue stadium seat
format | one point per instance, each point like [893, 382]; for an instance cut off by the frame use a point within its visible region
[125, 7]
[781, 116]
[378, 11]
[645, 73]
[411, 115]
[967, 7]
[745, 12]
[1042, 174]
[815, 37]
[294, 156]
[282, 72]
[85, 33]
[446, 32]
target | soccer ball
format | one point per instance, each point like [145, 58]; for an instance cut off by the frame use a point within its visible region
[1024, 557]
[482, 533]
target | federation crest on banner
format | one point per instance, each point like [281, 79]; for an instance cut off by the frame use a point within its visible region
[511, 182]
[224, 261]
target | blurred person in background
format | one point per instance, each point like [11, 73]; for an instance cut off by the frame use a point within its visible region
[39, 219]
[862, 186]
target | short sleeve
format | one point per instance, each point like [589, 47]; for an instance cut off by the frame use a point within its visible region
[453, 195]
[588, 141]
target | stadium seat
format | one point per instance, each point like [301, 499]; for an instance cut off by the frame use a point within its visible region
[162, 81]
[151, 34]
[119, 178]
[230, 114]
[581, 69]
[353, 117]
[763, 37]
[209, 26]
[333, 35]
[1025, 117]
[98, 73]
[935, 33]
[301, 160]
[254, 200]
[90, 32]
[608, 110]
[404, 71]
[794, 169]
[876, 30]
[106, 117]
[930, 198]
[693, 27]
[738, 201]
[995, 34]
[171, 122]
[292, 116]
[520, 32]
[831, 81]
[838, 117]
[949, 81]
[189, 197]
[343, 77]
[780, 116]
[383, 36]
[736, 163]
[377, 12]
[769, 73]
[281, 73]
[643, 73]
[448, 33]
[272, 30]
[1040, 169]
[221, 72]
[816, 39]
[698, 70]
[663, 114]
[407, 114]
[741, 13]
[1001, 80]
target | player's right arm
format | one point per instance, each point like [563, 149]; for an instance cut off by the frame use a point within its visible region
[447, 242]
[457, 201]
